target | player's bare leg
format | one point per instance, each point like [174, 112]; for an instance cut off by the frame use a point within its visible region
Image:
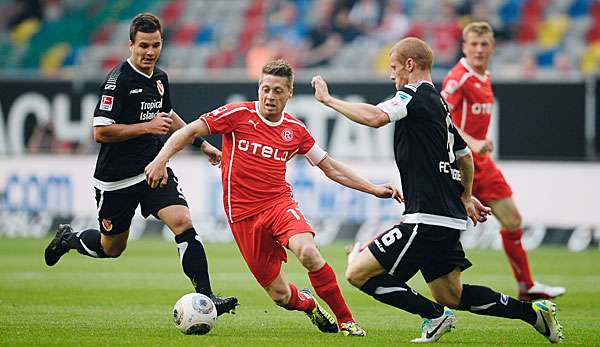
[114, 245]
[279, 290]
[449, 291]
[509, 217]
[323, 279]
[363, 268]
[192, 255]
[287, 295]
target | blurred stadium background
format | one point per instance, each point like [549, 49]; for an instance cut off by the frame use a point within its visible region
[54, 54]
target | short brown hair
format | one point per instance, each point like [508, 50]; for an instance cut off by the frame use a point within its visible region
[479, 28]
[281, 68]
[417, 49]
[144, 22]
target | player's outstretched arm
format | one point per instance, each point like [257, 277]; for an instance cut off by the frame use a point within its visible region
[214, 154]
[340, 173]
[476, 211]
[358, 112]
[156, 171]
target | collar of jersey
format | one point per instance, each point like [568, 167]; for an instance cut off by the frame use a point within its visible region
[138, 71]
[265, 120]
[464, 63]
[414, 86]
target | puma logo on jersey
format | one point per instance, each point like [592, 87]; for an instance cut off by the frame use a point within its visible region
[254, 124]
[262, 150]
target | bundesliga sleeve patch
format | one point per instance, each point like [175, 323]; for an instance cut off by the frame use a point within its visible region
[106, 103]
[404, 97]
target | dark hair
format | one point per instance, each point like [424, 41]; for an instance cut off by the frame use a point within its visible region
[144, 22]
[281, 68]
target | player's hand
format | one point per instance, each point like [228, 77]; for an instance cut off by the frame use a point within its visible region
[214, 155]
[321, 90]
[476, 211]
[156, 174]
[160, 124]
[482, 146]
[388, 190]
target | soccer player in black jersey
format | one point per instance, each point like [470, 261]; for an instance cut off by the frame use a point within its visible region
[436, 168]
[133, 112]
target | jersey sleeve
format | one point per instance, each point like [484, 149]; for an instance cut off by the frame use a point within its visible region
[395, 107]
[459, 147]
[452, 91]
[222, 120]
[313, 153]
[110, 105]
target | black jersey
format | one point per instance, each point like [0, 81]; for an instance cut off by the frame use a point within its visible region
[129, 96]
[426, 146]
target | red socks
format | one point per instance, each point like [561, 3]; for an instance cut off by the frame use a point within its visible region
[299, 301]
[511, 240]
[326, 286]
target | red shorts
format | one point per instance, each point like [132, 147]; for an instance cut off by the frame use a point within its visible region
[488, 182]
[262, 237]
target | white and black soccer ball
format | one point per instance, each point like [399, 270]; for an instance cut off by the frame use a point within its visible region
[194, 314]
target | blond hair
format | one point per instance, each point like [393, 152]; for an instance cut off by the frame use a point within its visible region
[417, 49]
[479, 28]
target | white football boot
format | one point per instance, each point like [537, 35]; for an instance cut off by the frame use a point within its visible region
[541, 291]
[546, 323]
[433, 329]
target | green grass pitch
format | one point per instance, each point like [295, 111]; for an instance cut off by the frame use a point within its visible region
[128, 301]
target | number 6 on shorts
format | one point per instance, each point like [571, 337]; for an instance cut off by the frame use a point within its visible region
[391, 236]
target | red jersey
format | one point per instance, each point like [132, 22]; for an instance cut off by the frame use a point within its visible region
[255, 152]
[470, 98]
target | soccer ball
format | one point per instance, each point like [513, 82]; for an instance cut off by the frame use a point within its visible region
[194, 314]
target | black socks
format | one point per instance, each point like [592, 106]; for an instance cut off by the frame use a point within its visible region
[193, 260]
[389, 290]
[87, 242]
[485, 301]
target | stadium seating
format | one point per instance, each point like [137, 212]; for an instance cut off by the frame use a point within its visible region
[205, 34]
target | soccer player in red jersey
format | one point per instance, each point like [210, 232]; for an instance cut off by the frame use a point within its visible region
[468, 91]
[259, 138]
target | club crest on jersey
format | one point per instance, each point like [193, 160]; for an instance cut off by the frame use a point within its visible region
[160, 87]
[287, 134]
[107, 224]
[106, 103]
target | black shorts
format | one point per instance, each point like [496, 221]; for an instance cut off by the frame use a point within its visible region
[117, 207]
[407, 248]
